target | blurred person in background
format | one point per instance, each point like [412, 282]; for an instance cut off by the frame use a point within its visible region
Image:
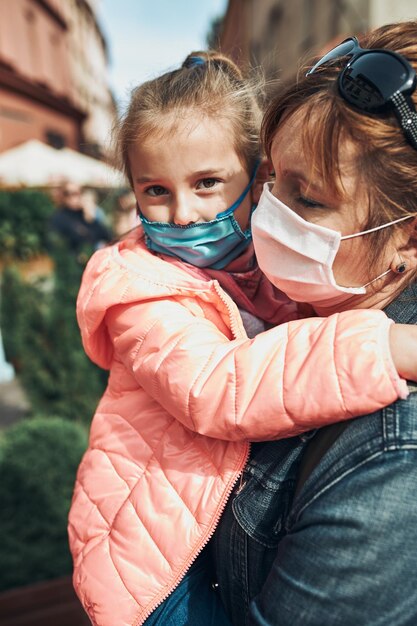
[92, 210]
[125, 216]
[76, 225]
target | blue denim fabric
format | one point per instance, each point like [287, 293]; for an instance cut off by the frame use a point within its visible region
[194, 602]
[253, 524]
[342, 552]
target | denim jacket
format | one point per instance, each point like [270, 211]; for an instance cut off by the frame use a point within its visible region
[342, 548]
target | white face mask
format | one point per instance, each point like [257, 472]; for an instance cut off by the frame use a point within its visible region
[297, 256]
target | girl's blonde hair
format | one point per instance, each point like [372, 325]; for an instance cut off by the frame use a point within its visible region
[207, 84]
[386, 164]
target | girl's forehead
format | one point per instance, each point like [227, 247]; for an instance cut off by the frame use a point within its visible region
[197, 135]
[186, 147]
[185, 123]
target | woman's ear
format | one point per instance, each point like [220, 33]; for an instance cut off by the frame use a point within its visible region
[263, 174]
[405, 258]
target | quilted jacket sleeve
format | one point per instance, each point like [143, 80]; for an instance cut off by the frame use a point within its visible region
[297, 376]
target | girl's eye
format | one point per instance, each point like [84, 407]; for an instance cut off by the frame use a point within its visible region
[156, 190]
[207, 183]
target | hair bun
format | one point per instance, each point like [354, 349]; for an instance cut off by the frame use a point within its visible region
[213, 59]
[192, 61]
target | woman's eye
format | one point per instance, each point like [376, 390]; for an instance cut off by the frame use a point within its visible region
[155, 191]
[308, 202]
[207, 183]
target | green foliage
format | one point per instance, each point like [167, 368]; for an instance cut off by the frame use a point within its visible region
[42, 340]
[38, 462]
[23, 223]
[39, 456]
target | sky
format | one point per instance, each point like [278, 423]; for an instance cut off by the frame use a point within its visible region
[148, 37]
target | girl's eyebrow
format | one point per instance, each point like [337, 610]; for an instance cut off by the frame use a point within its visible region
[198, 174]
[145, 179]
[219, 171]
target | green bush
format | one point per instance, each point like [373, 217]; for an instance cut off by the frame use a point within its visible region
[42, 340]
[24, 219]
[38, 462]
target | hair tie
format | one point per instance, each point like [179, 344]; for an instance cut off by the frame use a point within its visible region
[193, 61]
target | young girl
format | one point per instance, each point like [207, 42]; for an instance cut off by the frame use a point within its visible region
[169, 311]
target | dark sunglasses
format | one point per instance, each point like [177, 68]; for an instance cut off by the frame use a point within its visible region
[374, 80]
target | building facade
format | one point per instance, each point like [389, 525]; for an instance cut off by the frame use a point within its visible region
[88, 69]
[277, 35]
[53, 75]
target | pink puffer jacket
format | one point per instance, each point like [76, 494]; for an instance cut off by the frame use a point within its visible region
[187, 390]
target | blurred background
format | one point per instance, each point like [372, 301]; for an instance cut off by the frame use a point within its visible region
[66, 70]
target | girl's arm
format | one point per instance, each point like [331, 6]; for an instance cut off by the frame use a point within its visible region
[290, 379]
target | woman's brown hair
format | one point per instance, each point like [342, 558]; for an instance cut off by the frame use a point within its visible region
[385, 162]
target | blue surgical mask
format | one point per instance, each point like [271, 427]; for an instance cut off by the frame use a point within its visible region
[208, 244]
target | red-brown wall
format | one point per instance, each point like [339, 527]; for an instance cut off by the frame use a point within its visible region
[35, 86]
[21, 119]
[33, 43]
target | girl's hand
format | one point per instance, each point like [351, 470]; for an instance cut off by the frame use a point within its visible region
[403, 343]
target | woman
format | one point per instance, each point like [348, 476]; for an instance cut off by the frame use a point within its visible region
[322, 529]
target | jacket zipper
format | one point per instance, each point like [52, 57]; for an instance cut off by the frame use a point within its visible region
[226, 494]
[236, 331]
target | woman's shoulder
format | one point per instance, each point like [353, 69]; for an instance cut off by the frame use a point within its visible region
[392, 427]
[348, 447]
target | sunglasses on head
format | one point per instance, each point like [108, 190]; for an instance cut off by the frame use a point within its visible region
[374, 80]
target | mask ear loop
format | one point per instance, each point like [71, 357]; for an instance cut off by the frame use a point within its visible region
[401, 267]
[373, 230]
[398, 269]
[242, 196]
[377, 278]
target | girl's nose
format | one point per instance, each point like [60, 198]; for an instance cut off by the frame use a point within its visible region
[185, 212]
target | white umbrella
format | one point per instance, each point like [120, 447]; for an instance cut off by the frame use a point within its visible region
[35, 164]
[91, 171]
